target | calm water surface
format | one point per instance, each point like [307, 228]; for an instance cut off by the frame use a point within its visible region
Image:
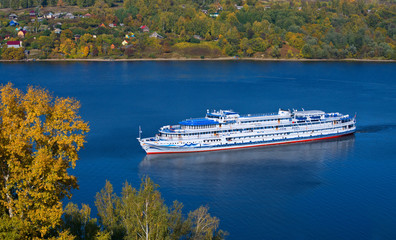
[338, 189]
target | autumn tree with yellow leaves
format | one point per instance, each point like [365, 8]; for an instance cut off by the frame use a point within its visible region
[40, 137]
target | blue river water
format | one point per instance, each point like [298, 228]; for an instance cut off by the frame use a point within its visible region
[334, 189]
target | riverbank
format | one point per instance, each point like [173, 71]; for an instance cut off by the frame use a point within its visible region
[201, 59]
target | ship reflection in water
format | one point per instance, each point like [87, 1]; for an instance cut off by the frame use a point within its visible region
[269, 167]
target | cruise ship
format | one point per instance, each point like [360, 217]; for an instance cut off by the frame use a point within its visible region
[226, 130]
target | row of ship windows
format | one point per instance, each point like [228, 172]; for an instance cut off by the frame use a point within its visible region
[263, 120]
[212, 140]
[238, 130]
[270, 135]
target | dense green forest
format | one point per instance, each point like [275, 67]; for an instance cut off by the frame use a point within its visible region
[335, 29]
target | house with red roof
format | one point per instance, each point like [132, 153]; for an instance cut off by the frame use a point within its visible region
[144, 28]
[14, 44]
[32, 13]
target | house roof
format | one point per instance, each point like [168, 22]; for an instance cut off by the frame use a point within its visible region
[13, 42]
[144, 26]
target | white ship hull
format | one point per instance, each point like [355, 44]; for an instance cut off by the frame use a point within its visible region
[263, 131]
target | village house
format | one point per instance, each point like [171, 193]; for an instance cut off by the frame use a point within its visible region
[144, 28]
[204, 11]
[21, 33]
[156, 35]
[14, 23]
[43, 27]
[112, 25]
[49, 15]
[124, 43]
[238, 7]
[131, 35]
[57, 15]
[76, 37]
[198, 37]
[32, 13]
[214, 15]
[12, 16]
[57, 31]
[87, 15]
[14, 44]
[69, 16]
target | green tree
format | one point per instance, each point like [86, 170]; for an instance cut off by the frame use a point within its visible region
[79, 221]
[107, 204]
[204, 226]
[39, 140]
[142, 214]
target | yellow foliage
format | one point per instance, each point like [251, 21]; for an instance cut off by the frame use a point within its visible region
[295, 39]
[67, 47]
[13, 54]
[39, 140]
[182, 45]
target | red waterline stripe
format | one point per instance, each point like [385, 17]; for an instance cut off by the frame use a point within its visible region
[266, 144]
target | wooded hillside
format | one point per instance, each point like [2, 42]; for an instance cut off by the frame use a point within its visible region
[335, 29]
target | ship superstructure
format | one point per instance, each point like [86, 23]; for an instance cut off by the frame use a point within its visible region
[226, 129]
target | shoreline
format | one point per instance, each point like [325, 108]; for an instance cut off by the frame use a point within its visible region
[198, 59]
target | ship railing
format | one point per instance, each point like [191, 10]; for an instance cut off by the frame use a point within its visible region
[259, 114]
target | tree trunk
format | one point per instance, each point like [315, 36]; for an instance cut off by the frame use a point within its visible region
[147, 229]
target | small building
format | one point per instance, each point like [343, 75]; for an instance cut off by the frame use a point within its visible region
[156, 35]
[57, 31]
[14, 44]
[238, 7]
[112, 46]
[112, 25]
[57, 15]
[214, 15]
[124, 43]
[69, 16]
[204, 11]
[32, 13]
[102, 25]
[88, 15]
[144, 28]
[43, 28]
[76, 37]
[21, 33]
[12, 16]
[49, 15]
[131, 35]
[14, 23]
[198, 37]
